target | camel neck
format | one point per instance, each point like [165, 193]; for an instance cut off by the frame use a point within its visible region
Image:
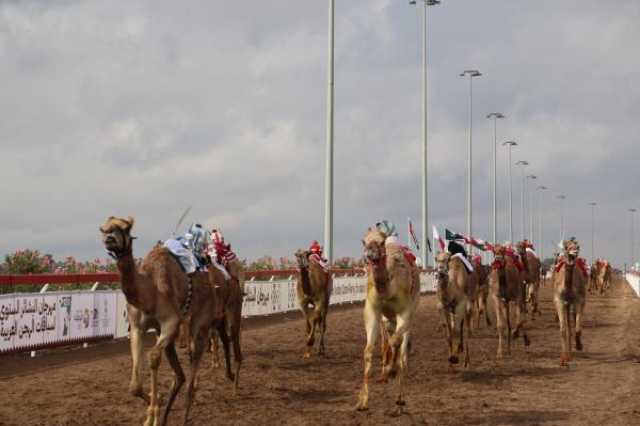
[304, 277]
[128, 276]
[380, 277]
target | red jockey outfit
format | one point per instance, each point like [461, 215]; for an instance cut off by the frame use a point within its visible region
[220, 253]
[315, 254]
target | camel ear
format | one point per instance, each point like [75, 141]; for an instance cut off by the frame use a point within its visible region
[363, 243]
[104, 231]
[130, 220]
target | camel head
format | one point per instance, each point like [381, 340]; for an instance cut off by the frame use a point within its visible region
[442, 265]
[302, 257]
[374, 249]
[571, 250]
[116, 236]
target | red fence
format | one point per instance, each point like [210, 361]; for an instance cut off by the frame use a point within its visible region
[69, 279]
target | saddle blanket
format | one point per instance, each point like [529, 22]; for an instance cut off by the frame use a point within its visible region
[465, 261]
[186, 258]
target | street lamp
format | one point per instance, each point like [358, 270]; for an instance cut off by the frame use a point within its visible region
[328, 174]
[523, 165]
[561, 198]
[425, 187]
[510, 144]
[494, 202]
[541, 188]
[593, 205]
[633, 212]
[531, 208]
[471, 74]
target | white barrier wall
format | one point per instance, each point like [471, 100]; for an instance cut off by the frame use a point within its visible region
[34, 320]
[29, 321]
[634, 281]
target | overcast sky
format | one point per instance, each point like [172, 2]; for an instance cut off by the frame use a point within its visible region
[143, 108]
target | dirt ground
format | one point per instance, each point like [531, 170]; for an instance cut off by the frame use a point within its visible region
[602, 386]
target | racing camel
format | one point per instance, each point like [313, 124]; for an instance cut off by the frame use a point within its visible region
[532, 270]
[505, 282]
[482, 294]
[159, 295]
[313, 289]
[456, 295]
[393, 289]
[570, 296]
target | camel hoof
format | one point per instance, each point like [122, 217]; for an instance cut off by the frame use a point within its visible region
[362, 406]
[527, 341]
[579, 346]
[307, 355]
[453, 359]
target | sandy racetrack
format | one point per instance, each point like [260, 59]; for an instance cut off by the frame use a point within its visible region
[602, 386]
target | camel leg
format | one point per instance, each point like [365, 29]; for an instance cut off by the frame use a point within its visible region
[579, 310]
[135, 340]
[237, 350]
[466, 323]
[564, 331]
[169, 331]
[371, 323]
[310, 330]
[486, 311]
[178, 379]
[446, 320]
[521, 321]
[198, 346]
[215, 349]
[221, 327]
[323, 327]
[500, 324]
[399, 344]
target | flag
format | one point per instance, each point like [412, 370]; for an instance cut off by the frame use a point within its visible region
[448, 235]
[437, 238]
[413, 236]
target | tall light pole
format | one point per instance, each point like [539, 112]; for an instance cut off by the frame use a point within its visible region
[523, 165]
[541, 188]
[328, 173]
[633, 245]
[425, 176]
[593, 208]
[510, 144]
[531, 207]
[561, 198]
[494, 199]
[471, 74]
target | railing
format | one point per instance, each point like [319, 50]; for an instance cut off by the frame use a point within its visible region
[36, 320]
[633, 278]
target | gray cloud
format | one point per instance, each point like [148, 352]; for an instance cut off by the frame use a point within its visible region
[146, 107]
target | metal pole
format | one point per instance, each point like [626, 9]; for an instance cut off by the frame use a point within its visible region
[593, 205]
[494, 197]
[561, 197]
[531, 200]
[425, 176]
[328, 182]
[633, 211]
[471, 74]
[470, 160]
[541, 220]
[510, 144]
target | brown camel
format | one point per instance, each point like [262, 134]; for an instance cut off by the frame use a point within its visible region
[159, 295]
[230, 294]
[532, 268]
[393, 289]
[505, 282]
[313, 288]
[601, 276]
[570, 290]
[456, 294]
[482, 293]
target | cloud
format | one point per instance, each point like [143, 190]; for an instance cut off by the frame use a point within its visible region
[148, 107]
